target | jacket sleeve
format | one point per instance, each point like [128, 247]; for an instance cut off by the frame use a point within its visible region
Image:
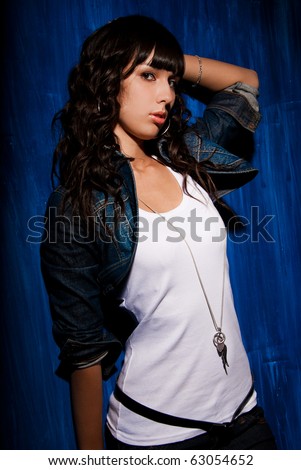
[230, 115]
[70, 263]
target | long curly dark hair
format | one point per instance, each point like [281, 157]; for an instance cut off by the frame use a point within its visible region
[83, 159]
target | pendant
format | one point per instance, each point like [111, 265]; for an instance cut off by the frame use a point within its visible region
[219, 342]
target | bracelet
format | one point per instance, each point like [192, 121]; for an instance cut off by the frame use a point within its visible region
[200, 70]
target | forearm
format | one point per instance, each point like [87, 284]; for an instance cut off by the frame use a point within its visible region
[86, 395]
[217, 75]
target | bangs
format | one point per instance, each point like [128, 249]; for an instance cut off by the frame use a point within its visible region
[146, 36]
[164, 58]
[167, 59]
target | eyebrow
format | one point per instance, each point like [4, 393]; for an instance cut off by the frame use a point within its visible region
[156, 68]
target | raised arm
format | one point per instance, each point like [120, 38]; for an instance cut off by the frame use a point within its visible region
[232, 109]
[217, 75]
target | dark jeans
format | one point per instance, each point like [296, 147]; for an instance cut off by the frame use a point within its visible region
[249, 431]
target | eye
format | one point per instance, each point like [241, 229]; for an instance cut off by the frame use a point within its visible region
[173, 83]
[148, 76]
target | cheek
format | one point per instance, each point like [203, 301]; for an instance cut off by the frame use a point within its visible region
[132, 106]
[127, 102]
[129, 119]
[125, 108]
[121, 98]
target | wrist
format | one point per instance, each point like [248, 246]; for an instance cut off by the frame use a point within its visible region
[200, 73]
[193, 69]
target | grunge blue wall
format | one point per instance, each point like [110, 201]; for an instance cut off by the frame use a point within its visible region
[41, 42]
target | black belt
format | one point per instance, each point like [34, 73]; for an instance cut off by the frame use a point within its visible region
[165, 418]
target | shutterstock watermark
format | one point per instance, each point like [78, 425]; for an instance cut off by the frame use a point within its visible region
[257, 225]
[60, 228]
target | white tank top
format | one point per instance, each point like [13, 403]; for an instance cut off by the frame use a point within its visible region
[171, 364]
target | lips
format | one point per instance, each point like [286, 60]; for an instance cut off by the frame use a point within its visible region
[158, 117]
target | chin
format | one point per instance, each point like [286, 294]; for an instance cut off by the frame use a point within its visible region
[151, 135]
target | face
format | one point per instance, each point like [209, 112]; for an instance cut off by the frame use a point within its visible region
[145, 99]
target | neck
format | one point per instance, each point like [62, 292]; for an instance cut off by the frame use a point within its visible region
[142, 162]
[139, 158]
[135, 150]
[129, 145]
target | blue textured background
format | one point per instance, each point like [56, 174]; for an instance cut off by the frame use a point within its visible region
[42, 41]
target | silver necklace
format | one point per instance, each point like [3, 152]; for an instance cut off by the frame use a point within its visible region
[219, 339]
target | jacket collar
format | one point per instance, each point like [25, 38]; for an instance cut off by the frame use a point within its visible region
[227, 171]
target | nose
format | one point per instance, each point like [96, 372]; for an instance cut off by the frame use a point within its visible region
[166, 93]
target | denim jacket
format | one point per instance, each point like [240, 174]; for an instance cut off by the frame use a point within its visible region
[84, 273]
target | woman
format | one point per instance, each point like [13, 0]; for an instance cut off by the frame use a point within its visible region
[136, 253]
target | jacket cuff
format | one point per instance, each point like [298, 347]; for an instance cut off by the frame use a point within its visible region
[78, 355]
[245, 109]
[248, 91]
[84, 365]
